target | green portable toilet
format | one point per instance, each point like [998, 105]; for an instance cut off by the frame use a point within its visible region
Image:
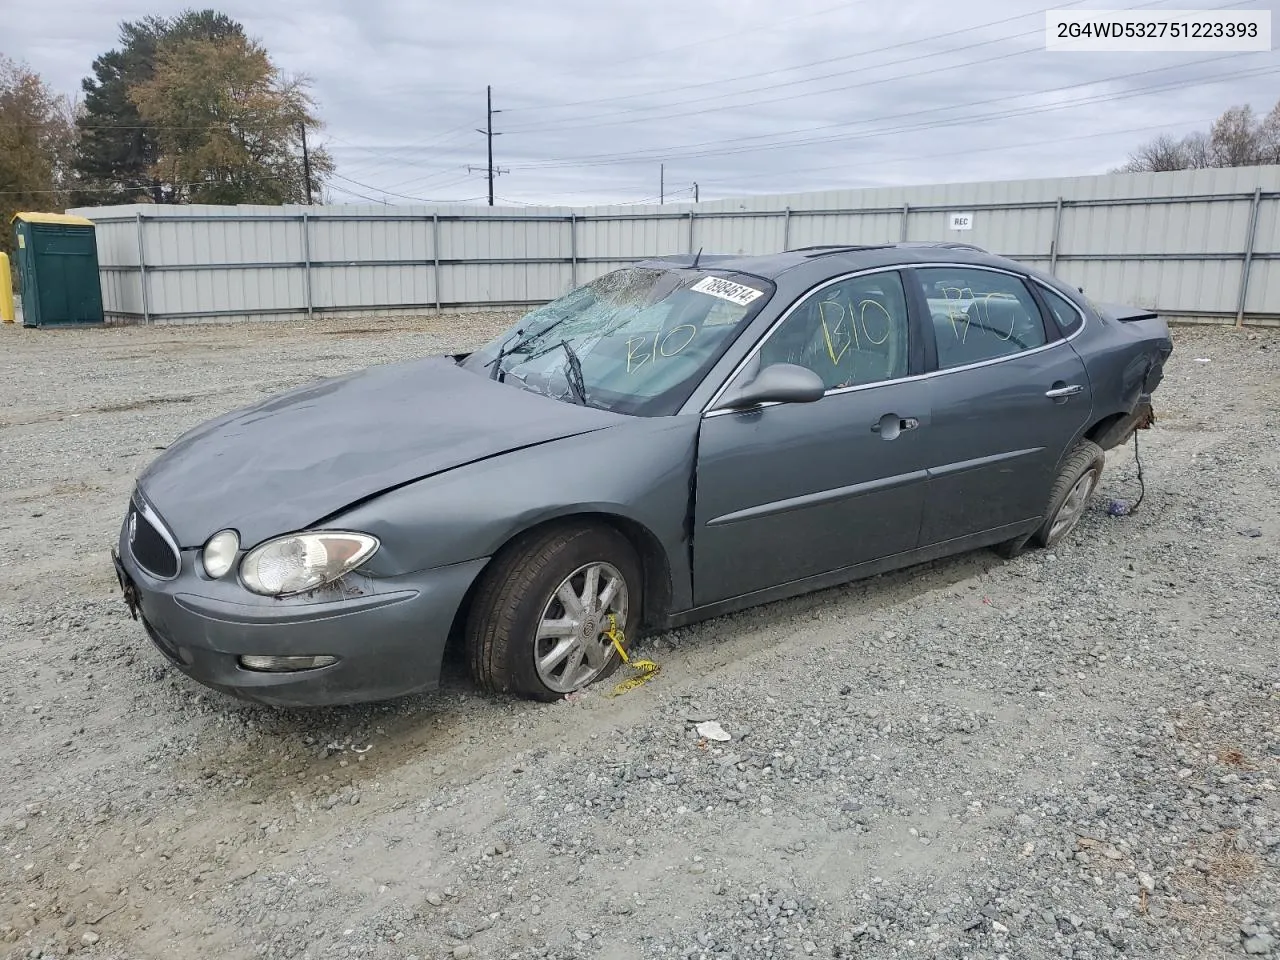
[57, 269]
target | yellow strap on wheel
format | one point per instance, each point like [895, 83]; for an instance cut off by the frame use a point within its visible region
[646, 669]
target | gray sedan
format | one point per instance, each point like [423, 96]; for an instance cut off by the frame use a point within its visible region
[673, 441]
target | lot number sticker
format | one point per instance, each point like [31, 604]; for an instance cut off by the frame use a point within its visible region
[962, 221]
[727, 290]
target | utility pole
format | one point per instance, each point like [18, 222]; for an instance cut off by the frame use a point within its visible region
[489, 135]
[306, 161]
[695, 191]
[662, 189]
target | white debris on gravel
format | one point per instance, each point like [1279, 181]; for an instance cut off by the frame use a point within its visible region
[1075, 754]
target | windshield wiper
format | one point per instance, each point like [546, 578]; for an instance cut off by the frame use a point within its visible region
[521, 343]
[572, 372]
[577, 381]
[503, 353]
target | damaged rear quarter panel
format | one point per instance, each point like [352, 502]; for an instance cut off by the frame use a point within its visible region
[640, 470]
[1124, 360]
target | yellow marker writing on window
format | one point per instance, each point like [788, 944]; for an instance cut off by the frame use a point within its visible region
[838, 341]
[876, 307]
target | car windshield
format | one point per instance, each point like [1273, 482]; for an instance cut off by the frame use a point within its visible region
[635, 341]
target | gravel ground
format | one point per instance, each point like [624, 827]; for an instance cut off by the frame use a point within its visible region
[1073, 754]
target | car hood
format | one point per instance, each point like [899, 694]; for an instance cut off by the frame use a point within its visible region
[298, 457]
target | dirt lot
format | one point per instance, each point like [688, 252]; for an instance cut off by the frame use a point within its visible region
[1068, 755]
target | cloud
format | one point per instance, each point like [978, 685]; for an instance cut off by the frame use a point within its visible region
[743, 97]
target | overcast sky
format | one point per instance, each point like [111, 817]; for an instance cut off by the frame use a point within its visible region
[742, 97]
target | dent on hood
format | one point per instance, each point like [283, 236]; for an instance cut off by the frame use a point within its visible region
[280, 464]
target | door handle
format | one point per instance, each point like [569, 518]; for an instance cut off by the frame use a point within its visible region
[1070, 390]
[890, 425]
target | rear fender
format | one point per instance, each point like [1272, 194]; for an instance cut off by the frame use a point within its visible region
[1125, 354]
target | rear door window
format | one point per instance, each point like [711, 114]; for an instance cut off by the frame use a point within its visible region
[980, 315]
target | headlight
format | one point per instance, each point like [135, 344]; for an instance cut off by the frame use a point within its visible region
[304, 561]
[220, 553]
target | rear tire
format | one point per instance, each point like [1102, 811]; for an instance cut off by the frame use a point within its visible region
[1071, 493]
[533, 629]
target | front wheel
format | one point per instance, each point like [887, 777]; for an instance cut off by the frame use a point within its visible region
[1071, 493]
[540, 621]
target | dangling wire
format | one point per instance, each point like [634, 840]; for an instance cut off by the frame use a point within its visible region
[1142, 486]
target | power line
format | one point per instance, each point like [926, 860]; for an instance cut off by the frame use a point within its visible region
[874, 82]
[355, 193]
[946, 68]
[914, 44]
[651, 55]
[812, 63]
[389, 193]
[428, 143]
[691, 151]
[957, 153]
[441, 185]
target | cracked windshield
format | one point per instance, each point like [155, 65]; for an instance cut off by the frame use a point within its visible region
[633, 341]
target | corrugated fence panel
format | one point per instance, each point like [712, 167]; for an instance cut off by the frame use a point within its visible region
[1264, 288]
[346, 241]
[499, 283]
[810, 230]
[1264, 277]
[1176, 288]
[121, 293]
[220, 240]
[750, 235]
[1174, 241]
[632, 239]
[504, 240]
[225, 292]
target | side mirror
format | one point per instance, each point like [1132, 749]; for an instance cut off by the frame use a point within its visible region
[776, 383]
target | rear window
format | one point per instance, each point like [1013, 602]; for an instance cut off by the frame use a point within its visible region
[1065, 314]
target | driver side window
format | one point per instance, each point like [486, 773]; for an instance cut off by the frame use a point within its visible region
[850, 333]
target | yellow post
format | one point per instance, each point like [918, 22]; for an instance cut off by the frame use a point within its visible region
[6, 290]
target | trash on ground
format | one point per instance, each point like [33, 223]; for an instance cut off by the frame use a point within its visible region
[712, 730]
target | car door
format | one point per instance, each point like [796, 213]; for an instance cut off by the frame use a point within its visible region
[1008, 397]
[786, 491]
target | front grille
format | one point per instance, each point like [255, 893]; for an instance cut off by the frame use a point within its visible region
[150, 548]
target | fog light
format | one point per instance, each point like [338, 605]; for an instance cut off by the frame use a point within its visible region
[285, 664]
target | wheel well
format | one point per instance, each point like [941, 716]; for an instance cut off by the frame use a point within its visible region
[1099, 431]
[653, 561]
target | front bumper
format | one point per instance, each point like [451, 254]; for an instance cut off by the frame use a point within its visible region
[388, 634]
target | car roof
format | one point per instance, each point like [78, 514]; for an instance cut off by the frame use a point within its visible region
[838, 258]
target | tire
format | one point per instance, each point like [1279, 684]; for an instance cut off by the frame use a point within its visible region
[1069, 498]
[521, 590]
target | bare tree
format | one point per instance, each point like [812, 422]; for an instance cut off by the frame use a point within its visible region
[1199, 155]
[1233, 138]
[1236, 139]
[1269, 137]
[1162, 153]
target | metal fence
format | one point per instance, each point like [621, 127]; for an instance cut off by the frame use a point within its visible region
[1198, 245]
